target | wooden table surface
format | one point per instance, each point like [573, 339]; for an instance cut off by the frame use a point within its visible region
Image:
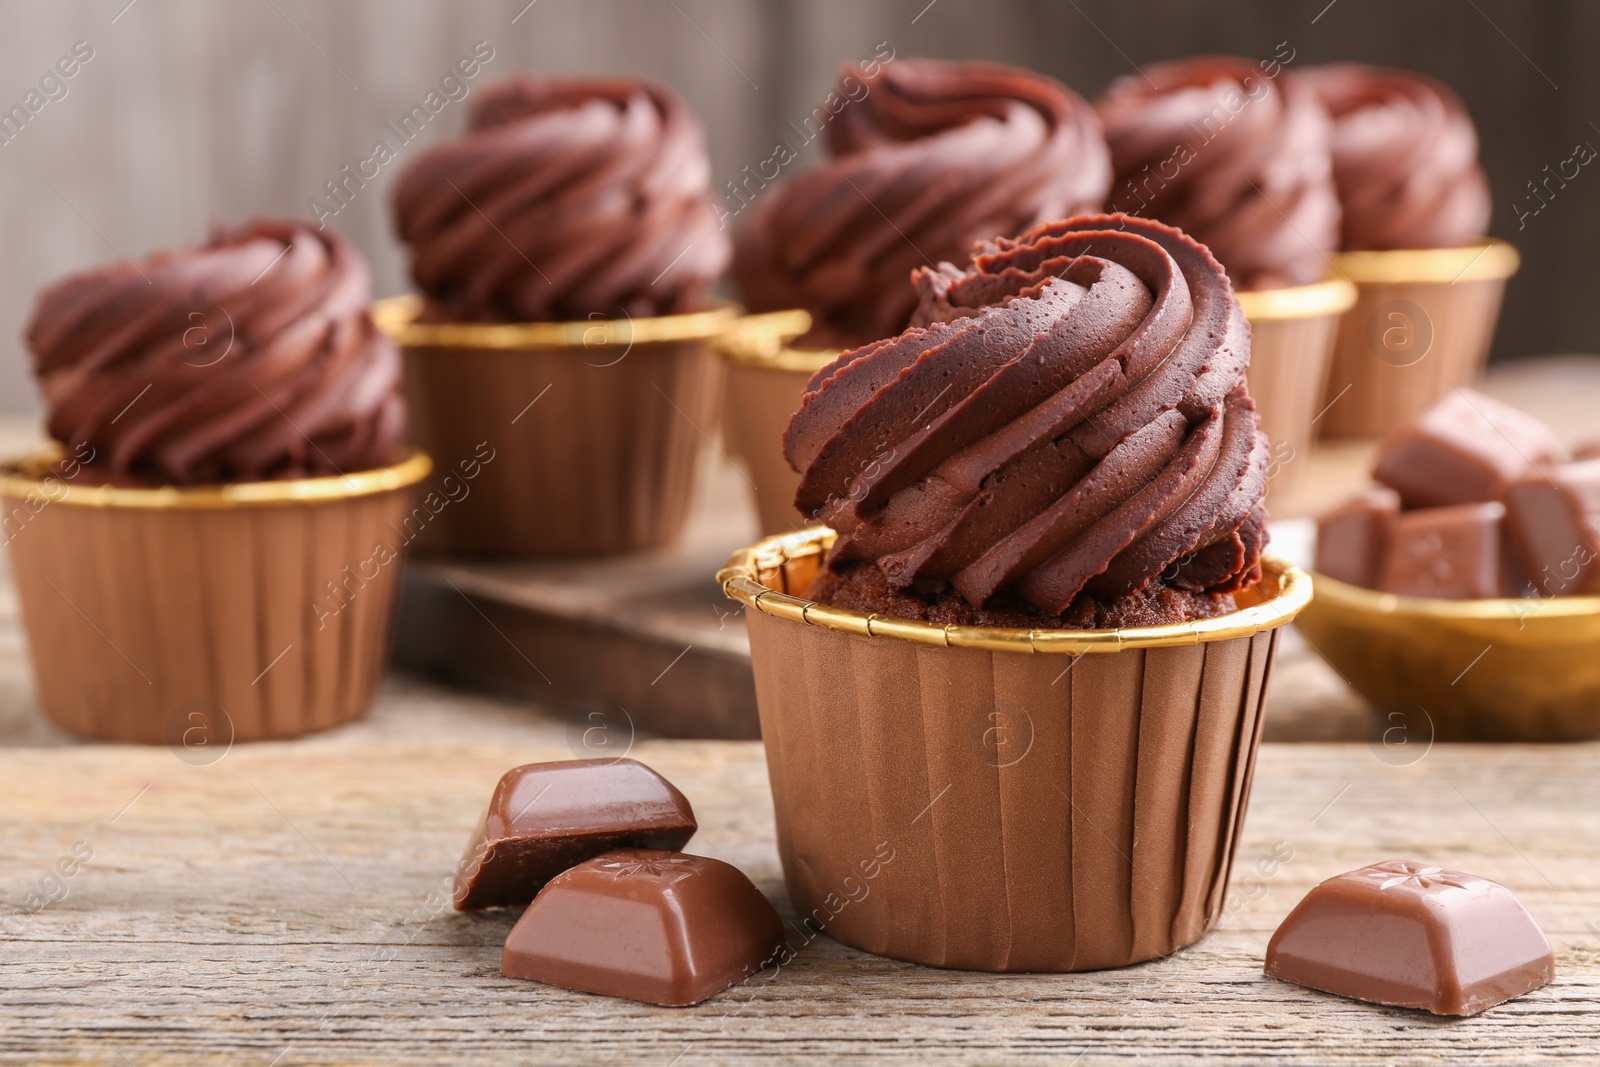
[285, 904]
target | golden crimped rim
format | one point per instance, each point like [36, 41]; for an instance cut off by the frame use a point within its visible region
[396, 316]
[1512, 609]
[763, 341]
[1330, 297]
[31, 478]
[1286, 589]
[1487, 260]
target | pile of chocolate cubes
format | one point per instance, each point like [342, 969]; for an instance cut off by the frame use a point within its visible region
[1476, 500]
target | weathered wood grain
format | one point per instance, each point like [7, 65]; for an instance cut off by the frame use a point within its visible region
[283, 906]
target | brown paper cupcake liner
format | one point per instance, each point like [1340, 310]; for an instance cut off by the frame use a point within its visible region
[766, 378]
[1291, 347]
[1004, 800]
[243, 612]
[580, 438]
[1420, 327]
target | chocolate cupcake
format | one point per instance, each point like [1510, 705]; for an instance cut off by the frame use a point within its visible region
[221, 509]
[1237, 155]
[926, 157]
[566, 240]
[1059, 455]
[1415, 211]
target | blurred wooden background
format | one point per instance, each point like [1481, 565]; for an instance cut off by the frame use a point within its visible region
[194, 110]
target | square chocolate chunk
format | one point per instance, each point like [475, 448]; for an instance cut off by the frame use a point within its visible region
[1466, 449]
[1353, 539]
[1413, 936]
[658, 927]
[1448, 552]
[546, 817]
[1553, 518]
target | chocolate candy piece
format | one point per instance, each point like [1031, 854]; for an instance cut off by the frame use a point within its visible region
[1554, 522]
[1465, 449]
[545, 817]
[1453, 553]
[1413, 936]
[1353, 539]
[660, 927]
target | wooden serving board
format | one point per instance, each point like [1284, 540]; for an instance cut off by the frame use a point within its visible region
[287, 905]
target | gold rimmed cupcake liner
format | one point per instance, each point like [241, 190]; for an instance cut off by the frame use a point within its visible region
[769, 575]
[950, 796]
[32, 477]
[1292, 333]
[199, 616]
[766, 377]
[396, 316]
[581, 438]
[1476, 670]
[1420, 327]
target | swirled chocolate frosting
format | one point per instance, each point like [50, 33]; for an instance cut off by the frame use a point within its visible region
[567, 198]
[1405, 157]
[1238, 160]
[927, 158]
[249, 358]
[1067, 418]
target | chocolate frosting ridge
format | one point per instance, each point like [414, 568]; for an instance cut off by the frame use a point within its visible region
[249, 358]
[567, 198]
[1405, 158]
[927, 158]
[1238, 160]
[1066, 416]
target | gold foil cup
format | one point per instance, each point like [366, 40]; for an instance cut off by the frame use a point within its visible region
[593, 429]
[199, 616]
[1421, 326]
[766, 378]
[1291, 345]
[998, 799]
[1477, 670]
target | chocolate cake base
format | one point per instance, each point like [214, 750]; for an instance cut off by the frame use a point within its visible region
[861, 586]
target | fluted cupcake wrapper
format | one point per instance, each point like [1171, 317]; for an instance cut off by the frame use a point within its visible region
[195, 618]
[1421, 326]
[1291, 347]
[582, 446]
[982, 808]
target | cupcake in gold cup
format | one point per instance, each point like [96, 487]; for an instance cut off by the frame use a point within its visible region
[211, 552]
[1415, 211]
[1236, 153]
[564, 247]
[1011, 695]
